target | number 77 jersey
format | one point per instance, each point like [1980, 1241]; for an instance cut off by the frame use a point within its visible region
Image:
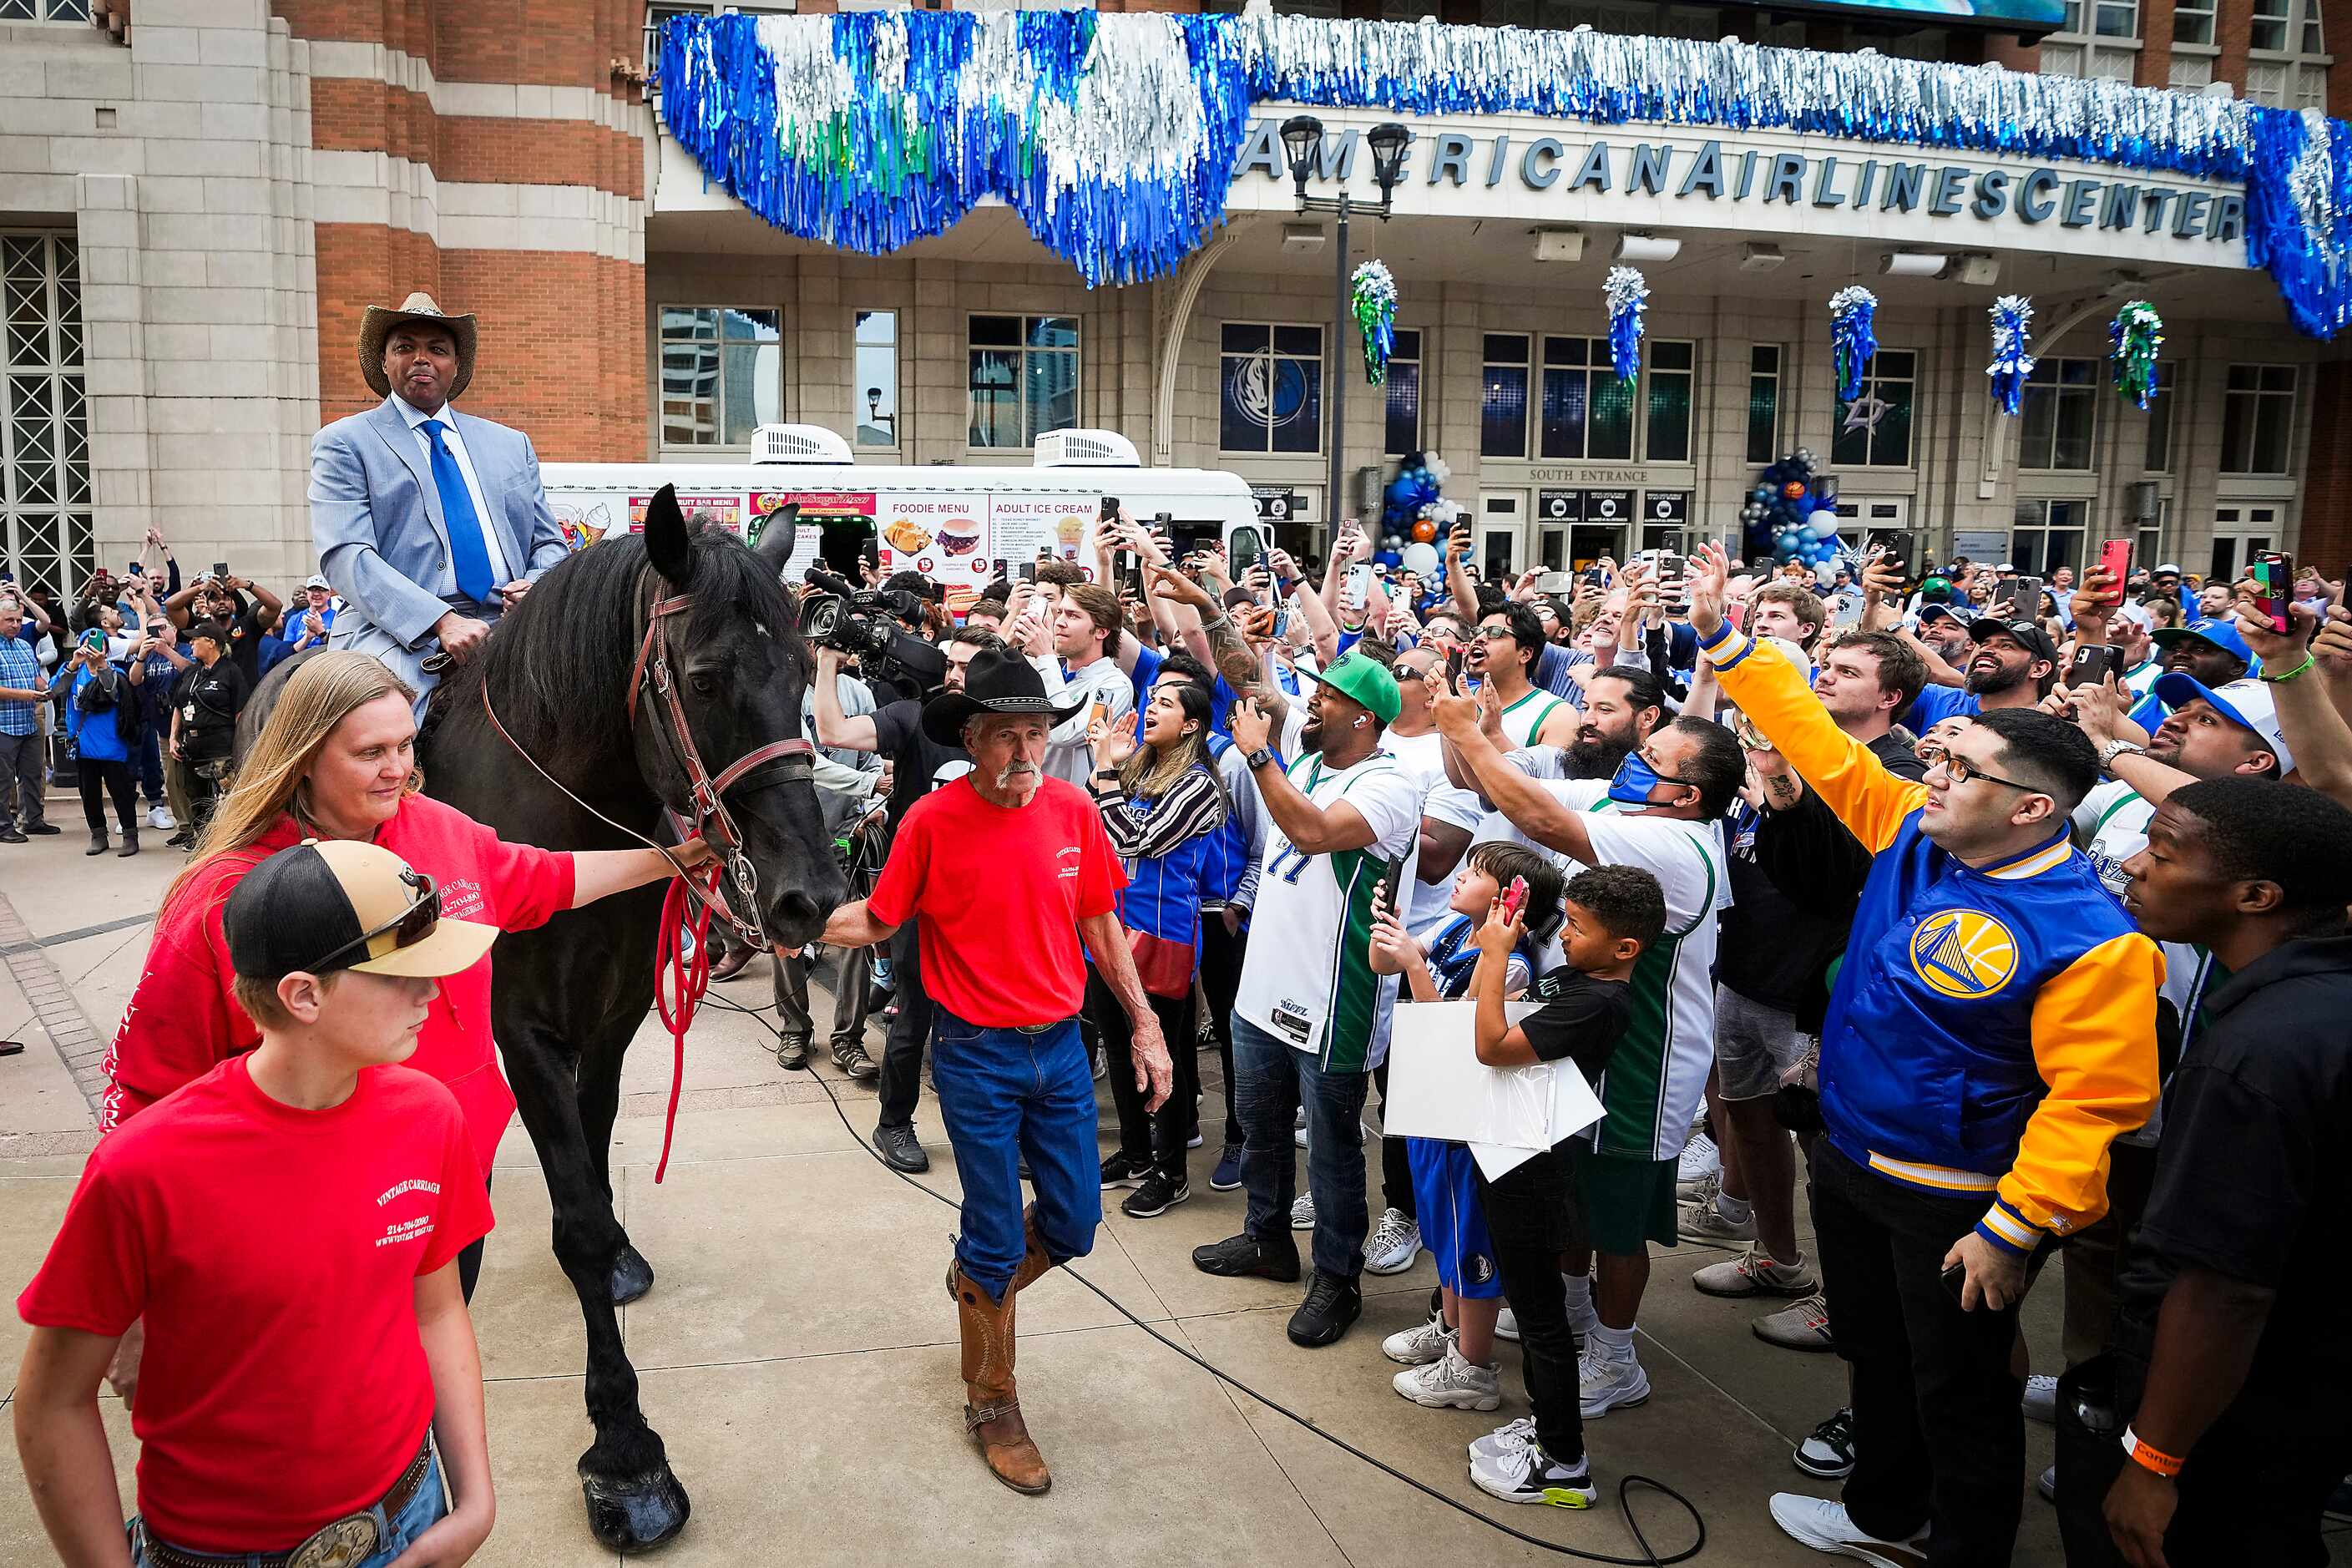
[1307, 979]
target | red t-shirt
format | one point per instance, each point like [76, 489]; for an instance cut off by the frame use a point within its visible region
[998, 895]
[181, 1021]
[274, 1253]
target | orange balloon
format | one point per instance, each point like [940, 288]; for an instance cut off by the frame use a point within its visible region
[1793, 489]
[1423, 531]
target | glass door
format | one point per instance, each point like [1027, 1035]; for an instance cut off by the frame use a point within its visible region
[1501, 516]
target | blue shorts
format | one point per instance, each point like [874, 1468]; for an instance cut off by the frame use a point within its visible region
[1453, 1225]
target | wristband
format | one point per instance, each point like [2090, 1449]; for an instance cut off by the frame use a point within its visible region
[2153, 1461]
[1222, 619]
[2308, 661]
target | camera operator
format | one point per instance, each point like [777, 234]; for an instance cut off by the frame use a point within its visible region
[918, 765]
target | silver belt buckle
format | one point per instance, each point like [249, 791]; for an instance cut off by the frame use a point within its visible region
[348, 1540]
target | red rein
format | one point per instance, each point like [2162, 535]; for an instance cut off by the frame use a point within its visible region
[688, 979]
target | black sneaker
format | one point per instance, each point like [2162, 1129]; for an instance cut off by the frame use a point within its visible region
[1228, 1173]
[899, 1150]
[1240, 1256]
[12, 836]
[1125, 1170]
[184, 840]
[850, 1057]
[44, 830]
[791, 1055]
[1155, 1197]
[1829, 1452]
[1332, 1304]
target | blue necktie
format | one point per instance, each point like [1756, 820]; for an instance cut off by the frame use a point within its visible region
[465, 546]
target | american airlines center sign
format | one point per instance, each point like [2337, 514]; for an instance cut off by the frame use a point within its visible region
[1765, 183]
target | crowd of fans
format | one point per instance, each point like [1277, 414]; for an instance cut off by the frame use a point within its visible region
[1841, 879]
[132, 691]
[2016, 928]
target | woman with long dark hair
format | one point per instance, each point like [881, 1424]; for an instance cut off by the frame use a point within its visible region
[1160, 800]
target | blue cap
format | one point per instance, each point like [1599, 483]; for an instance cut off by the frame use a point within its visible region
[2221, 634]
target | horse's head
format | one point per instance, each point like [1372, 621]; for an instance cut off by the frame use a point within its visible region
[739, 669]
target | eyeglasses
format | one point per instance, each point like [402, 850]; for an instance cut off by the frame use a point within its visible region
[1960, 770]
[1486, 634]
[409, 927]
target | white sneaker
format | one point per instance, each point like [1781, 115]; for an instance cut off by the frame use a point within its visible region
[1823, 1525]
[1302, 1212]
[1756, 1273]
[1529, 1475]
[1507, 1324]
[2041, 1401]
[1299, 1128]
[1700, 1159]
[1451, 1382]
[160, 817]
[1509, 1436]
[1420, 1345]
[1604, 1383]
[1706, 1222]
[1394, 1243]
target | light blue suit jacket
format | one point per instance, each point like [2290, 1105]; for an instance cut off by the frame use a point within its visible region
[375, 519]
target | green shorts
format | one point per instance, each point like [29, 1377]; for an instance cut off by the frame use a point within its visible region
[1626, 1203]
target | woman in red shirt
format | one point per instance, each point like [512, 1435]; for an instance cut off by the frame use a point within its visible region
[337, 760]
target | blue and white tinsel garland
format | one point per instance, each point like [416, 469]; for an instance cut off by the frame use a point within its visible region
[1114, 137]
[1628, 294]
[1853, 337]
[2013, 360]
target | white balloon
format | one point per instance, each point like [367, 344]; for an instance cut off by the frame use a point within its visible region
[1421, 558]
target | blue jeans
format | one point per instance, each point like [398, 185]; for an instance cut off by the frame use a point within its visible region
[1270, 1082]
[1007, 1095]
[150, 764]
[395, 1535]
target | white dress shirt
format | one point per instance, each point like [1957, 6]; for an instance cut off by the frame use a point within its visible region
[500, 574]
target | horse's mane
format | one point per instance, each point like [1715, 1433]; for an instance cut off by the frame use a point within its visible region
[559, 664]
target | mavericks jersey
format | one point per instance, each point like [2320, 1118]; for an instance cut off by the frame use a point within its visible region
[1524, 719]
[1306, 978]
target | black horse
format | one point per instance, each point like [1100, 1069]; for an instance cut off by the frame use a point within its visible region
[567, 998]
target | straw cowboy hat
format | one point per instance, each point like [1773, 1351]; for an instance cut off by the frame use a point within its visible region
[378, 322]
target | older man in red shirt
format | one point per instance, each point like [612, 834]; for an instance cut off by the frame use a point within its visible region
[1004, 870]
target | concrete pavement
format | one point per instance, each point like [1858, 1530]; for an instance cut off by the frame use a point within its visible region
[798, 1355]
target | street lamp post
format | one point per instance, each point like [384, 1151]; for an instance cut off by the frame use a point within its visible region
[1302, 140]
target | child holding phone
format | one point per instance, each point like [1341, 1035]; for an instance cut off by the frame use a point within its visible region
[1450, 1359]
[1608, 916]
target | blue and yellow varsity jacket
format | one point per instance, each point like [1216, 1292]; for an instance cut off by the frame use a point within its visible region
[1992, 1029]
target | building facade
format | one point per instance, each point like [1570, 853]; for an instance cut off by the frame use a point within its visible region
[197, 202]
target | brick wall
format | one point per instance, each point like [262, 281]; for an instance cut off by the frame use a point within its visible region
[518, 143]
[2326, 536]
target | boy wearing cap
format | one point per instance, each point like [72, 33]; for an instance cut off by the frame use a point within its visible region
[288, 1227]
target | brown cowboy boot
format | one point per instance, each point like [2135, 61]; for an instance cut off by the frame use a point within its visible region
[1034, 1262]
[992, 1406]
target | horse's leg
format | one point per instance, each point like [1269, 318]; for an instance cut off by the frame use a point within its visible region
[599, 1093]
[634, 1501]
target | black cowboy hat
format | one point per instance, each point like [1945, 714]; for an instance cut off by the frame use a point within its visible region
[995, 682]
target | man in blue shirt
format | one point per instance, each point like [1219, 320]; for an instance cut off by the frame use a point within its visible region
[24, 769]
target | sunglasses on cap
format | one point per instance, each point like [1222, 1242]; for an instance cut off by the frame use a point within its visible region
[408, 928]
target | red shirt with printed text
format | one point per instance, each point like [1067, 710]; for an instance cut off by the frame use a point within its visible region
[181, 1020]
[274, 1253]
[997, 895]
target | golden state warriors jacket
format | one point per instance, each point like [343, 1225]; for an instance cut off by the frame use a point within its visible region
[1993, 1028]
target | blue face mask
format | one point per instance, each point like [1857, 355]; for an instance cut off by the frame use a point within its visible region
[1634, 781]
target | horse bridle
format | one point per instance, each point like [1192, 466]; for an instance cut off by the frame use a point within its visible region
[792, 759]
[795, 759]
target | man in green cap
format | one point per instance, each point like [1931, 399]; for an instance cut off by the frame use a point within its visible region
[1311, 1022]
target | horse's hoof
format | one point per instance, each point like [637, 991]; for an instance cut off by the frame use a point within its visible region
[635, 1514]
[632, 1277]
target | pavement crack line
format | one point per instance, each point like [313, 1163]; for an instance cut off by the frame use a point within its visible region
[1234, 1400]
[54, 1008]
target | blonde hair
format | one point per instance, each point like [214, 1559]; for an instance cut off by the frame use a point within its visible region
[269, 784]
[258, 997]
